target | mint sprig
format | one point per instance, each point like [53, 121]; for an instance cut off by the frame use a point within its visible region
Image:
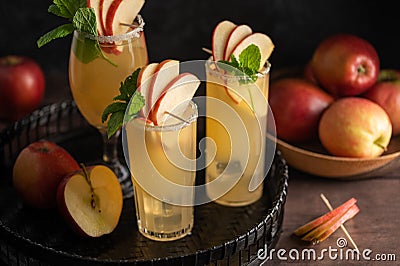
[81, 18]
[248, 63]
[126, 105]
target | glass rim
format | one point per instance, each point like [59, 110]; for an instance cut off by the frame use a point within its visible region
[176, 126]
[265, 70]
[135, 32]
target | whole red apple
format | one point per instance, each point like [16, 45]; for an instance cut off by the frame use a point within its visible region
[345, 64]
[22, 86]
[355, 127]
[297, 106]
[386, 93]
[38, 170]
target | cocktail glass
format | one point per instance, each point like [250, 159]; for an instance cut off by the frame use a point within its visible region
[236, 121]
[162, 161]
[95, 81]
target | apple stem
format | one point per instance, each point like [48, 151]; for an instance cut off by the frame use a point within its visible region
[361, 69]
[92, 196]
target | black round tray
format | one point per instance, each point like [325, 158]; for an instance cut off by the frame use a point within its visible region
[28, 236]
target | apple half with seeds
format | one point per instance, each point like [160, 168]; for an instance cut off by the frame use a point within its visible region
[90, 200]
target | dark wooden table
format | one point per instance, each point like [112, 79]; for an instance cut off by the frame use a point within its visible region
[375, 229]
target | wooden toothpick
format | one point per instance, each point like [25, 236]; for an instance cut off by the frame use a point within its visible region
[327, 203]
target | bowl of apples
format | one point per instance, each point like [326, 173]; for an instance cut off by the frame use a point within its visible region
[337, 116]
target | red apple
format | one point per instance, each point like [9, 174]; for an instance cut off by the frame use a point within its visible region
[386, 93]
[175, 97]
[38, 170]
[308, 73]
[90, 200]
[22, 86]
[345, 64]
[355, 127]
[297, 106]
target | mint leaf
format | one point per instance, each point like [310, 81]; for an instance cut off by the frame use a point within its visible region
[115, 123]
[128, 98]
[135, 105]
[113, 108]
[66, 8]
[250, 58]
[248, 64]
[59, 32]
[85, 20]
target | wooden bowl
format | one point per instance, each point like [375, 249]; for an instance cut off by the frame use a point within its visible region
[313, 159]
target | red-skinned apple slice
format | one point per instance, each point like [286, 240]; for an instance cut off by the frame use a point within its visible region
[90, 200]
[220, 37]
[166, 71]
[262, 41]
[104, 6]
[235, 37]
[323, 231]
[175, 97]
[143, 86]
[326, 217]
[97, 6]
[122, 12]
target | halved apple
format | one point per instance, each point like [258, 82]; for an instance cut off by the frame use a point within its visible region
[143, 86]
[220, 37]
[175, 98]
[263, 42]
[165, 72]
[122, 12]
[91, 201]
[235, 37]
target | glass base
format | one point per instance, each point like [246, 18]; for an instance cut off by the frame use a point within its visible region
[124, 178]
[162, 236]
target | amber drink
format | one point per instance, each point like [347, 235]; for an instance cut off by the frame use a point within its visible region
[236, 122]
[162, 163]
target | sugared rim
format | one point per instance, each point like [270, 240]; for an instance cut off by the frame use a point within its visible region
[139, 27]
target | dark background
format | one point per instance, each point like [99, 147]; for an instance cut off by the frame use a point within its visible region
[180, 28]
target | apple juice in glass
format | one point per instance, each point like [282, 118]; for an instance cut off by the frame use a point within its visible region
[162, 163]
[237, 166]
[95, 82]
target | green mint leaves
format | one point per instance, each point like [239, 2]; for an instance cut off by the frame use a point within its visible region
[128, 104]
[65, 9]
[81, 18]
[248, 63]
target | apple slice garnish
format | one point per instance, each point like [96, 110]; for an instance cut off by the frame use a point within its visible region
[122, 12]
[324, 218]
[91, 200]
[175, 98]
[97, 7]
[144, 81]
[165, 72]
[263, 42]
[323, 231]
[235, 37]
[220, 37]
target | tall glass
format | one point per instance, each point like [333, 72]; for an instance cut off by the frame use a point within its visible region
[239, 133]
[94, 83]
[163, 166]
